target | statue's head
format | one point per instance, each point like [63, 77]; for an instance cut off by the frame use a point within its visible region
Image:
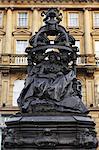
[52, 16]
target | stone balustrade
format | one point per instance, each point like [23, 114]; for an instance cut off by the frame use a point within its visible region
[17, 59]
[86, 59]
[21, 59]
[14, 59]
[97, 61]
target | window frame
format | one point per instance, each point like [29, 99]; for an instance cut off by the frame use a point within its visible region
[17, 20]
[94, 47]
[80, 38]
[79, 45]
[1, 45]
[96, 93]
[2, 13]
[76, 12]
[93, 23]
[14, 104]
[16, 46]
[19, 38]
[94, 38]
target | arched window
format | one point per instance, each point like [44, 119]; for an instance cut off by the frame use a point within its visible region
[18, 86]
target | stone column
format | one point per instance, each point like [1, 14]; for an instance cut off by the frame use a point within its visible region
[36, 20]
[8, 31]
[88, 49]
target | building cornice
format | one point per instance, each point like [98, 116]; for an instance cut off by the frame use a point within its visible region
[46, 1]
[45, 4]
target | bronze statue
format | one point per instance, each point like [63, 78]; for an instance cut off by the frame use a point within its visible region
[51, 82]
[52, 114]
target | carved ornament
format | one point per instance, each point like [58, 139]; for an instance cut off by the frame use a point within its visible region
[76, 32]
[95, 32]
[22, 32]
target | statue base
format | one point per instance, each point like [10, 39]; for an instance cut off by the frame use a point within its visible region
[68, 132]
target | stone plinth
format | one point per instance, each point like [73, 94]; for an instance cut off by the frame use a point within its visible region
[69, 132]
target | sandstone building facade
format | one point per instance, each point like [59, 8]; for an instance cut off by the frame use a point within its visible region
[20, 19]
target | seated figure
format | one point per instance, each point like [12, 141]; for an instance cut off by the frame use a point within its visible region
[52, 83]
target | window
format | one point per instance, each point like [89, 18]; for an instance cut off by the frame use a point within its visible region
[0, 137]
[97, 93]
[18, 86]
[97, 48]
[22, 19]
[21, 46]
[77, 43]
[96, 19]
[1, 19]
[0, 46]
[73, 20]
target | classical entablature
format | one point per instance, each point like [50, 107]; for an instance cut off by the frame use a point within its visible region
[47, 1]
[35, 1]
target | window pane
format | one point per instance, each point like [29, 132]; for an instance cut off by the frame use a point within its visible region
[96, 19]
[97, 93]
[73, 19]
[21, 46]
[97, 48]
[0, 46]
[77, 43]
[0, 137]
[22, 19]
[0, 19]
[18, 86]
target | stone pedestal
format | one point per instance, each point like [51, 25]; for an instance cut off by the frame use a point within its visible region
[68, 132]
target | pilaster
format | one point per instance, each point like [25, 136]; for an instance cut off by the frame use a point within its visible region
[35, 24]
[88, 49]
[8, 31]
